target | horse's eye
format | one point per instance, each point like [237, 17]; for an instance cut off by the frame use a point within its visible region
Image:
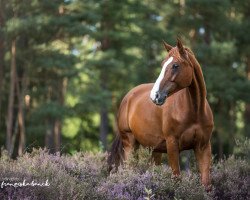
[175, 66]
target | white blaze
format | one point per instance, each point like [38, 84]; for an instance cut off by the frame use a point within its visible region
[159, 79]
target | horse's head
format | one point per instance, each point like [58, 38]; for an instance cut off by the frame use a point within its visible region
[176, 73]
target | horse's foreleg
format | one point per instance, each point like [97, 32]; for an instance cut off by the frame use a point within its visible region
[156, 158]
[203, 156]
[173, 155]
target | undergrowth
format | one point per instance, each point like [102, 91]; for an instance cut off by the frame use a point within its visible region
[85, 176]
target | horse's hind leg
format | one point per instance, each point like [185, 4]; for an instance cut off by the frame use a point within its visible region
[156, 157]
[128, 141]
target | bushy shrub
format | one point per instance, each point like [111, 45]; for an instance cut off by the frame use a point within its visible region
[242, 149]
[231, 179]
[85, 176]
[138, 176]
[70, 177]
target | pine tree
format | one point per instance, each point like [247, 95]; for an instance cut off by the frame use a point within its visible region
[119, 52]
[41, 62]
[210, 33]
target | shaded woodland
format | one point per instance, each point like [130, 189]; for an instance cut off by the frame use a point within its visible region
[66, 64]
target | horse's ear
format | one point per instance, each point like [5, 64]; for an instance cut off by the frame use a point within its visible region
[167, 46]
[181, 48]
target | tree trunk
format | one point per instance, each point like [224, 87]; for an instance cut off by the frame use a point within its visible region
[49, 139]
[1, 61]
[247, 110]
[220, 145]
[9, 122]
[58, 123]
[20, 115]
[57, 135]
[106, 26]
[104, 123]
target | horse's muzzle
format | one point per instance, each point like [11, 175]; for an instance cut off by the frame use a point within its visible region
[160, 98]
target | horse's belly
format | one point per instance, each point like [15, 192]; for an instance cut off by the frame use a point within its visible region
[148, 139]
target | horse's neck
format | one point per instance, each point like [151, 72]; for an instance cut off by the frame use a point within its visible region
[197, 89]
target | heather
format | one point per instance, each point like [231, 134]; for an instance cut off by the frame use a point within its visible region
[85, 176]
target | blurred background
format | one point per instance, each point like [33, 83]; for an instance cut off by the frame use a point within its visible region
[65, 65]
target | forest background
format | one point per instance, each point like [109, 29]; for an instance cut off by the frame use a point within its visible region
[66, 64]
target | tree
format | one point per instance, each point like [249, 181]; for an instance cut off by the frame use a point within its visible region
[216, 49]
[242, 41]
[119, 52]
[37, 61]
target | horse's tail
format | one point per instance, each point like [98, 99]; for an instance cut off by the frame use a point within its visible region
[116, 153]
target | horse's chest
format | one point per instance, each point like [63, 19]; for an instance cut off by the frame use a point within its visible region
[189, 137]
[186, 133]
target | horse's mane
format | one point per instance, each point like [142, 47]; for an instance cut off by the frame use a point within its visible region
[198, 79]
[189, 50]
[198, 75]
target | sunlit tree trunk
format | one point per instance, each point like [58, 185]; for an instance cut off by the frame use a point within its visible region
[104, 126]
[49, 124]
[106, 26]
[104, 121]
[10, 117]
[57, 135]
[54, 125]
[58, 122]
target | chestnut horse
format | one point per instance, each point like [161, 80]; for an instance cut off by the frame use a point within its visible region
[170, 115]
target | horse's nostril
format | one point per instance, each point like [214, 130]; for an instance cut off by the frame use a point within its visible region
[157, 95]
